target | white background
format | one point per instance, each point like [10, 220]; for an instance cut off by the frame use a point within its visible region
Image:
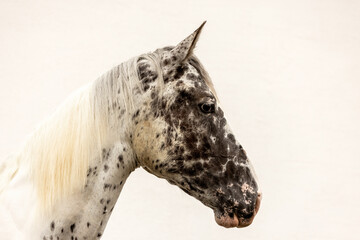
[287, 73]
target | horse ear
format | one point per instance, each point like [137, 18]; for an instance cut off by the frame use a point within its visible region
[184, 49]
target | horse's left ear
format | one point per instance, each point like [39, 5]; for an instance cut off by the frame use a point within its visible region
[184, 49]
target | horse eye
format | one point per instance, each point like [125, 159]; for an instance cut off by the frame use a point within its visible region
[207, 107]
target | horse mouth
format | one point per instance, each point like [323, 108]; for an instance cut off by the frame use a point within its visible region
[229, 221]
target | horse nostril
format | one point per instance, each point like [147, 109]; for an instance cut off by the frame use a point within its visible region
[248, 216]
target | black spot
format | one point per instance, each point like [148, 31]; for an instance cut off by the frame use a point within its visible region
[89, 171]
[136, 114]
[72, 227]
[179, 83]
[103, 153]
[52, 226]
[191, 76]
[88, 224]
[106, 168]
[168, 48]
[166, 61]
[180, 71]
[107, 185]
[162, 146]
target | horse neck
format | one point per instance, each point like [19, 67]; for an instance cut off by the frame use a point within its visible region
[85, 213]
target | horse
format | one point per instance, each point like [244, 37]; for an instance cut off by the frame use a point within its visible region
[158, 111]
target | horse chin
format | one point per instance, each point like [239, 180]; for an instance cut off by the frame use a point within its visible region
[227, 221]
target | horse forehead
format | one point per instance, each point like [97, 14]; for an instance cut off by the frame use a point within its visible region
[187, 77]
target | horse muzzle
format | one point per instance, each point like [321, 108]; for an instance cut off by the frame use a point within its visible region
[232, 220]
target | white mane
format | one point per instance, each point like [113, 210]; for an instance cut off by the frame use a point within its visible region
[60, 150]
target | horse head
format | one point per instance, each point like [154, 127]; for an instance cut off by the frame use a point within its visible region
[182, 135]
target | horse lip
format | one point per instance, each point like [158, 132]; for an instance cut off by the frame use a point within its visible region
[234, 221]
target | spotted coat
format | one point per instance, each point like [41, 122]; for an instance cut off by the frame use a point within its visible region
[178, 132]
